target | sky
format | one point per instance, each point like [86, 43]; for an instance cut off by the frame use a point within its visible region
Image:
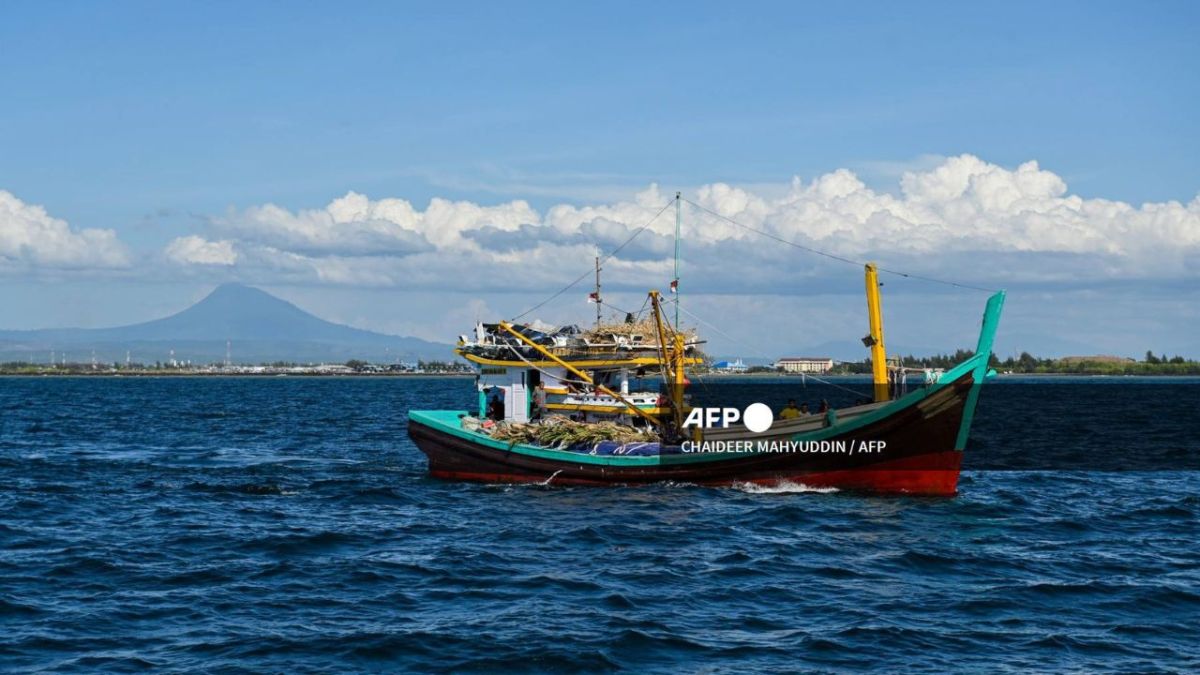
[414, 168]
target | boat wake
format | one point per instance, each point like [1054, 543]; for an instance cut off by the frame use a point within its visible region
[784, 487]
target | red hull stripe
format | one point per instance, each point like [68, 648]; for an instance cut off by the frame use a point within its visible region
[937, 475]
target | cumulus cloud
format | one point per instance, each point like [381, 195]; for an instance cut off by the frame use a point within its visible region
[961, 218]
[355, 225]
[193, 250]
[29, 236]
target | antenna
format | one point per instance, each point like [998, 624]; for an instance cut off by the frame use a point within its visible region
[675, 282]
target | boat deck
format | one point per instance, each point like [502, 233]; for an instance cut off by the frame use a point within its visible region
[450, 421]
[808, 427]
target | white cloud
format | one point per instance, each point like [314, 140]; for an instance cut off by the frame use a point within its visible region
[962, 218]
[193, 250]
[355, 225]
[30, 236]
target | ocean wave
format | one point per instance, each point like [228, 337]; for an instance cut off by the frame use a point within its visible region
[307, 537]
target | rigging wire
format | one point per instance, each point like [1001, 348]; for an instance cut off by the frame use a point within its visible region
[838, 258]
[636, 315]
[603, 260]
[727, 336]
[553, 376]
[603, 363]
[678, 305]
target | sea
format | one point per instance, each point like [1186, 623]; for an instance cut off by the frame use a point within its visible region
[287, 524]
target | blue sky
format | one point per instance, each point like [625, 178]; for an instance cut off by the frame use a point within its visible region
[162, 121]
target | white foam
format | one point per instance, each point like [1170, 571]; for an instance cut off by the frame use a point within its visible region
[783, 487]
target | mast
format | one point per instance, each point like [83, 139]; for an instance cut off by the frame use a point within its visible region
[597, 292]
[675, 283]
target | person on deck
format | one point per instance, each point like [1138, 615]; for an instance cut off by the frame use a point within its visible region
[539, 401]
[824, 407]
[495, 408]
[804, 409]
[790, 412]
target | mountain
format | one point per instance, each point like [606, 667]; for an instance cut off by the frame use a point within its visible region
[259, 327]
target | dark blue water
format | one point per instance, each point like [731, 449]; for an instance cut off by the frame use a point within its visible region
[286, 524]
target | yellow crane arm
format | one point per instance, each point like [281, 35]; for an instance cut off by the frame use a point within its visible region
[875, 338]
[673, 360]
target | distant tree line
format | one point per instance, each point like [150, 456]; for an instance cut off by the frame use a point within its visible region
[80, 367]
[1027, 363]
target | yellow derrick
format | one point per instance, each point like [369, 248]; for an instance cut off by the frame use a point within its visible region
[879, 366]
[673, 359]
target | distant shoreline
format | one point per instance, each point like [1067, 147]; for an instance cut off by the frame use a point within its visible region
[867, 376]
[715, 376]
[151, 374]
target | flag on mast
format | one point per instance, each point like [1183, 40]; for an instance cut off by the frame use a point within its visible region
[674, 285]
[594, 297]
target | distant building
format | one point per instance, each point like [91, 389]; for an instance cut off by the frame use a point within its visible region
[805, 364]
[730, 366]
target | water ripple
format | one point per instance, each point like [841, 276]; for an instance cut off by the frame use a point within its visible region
[289, 525]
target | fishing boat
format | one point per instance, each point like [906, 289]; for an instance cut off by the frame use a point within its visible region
[568, 406]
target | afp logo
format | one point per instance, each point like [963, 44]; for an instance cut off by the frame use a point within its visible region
[757, 417]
